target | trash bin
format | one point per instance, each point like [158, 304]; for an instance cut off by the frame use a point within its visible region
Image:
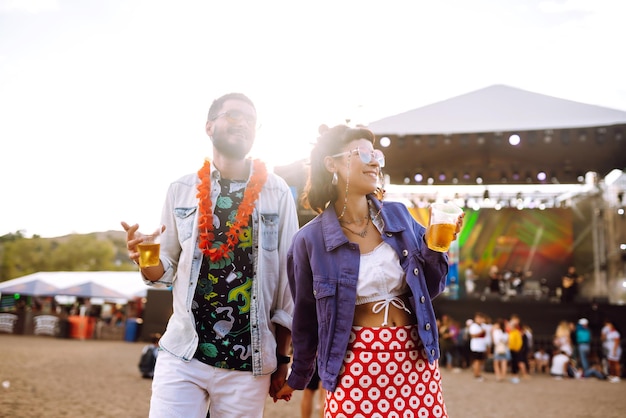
[132, 330]
[64, 328]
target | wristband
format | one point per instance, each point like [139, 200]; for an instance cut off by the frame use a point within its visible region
[283, 359]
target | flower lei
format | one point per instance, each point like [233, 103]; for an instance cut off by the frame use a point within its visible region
[207, 243]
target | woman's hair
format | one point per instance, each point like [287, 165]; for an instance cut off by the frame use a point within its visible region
[319, 191]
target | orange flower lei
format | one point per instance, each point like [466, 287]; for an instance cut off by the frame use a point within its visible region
[205, 219]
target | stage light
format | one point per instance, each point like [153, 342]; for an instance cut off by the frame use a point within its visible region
[479, 179]
[486, 195]
[384, 142]
[418, 177]
[541, 176]
[514, 139]
[442, 176]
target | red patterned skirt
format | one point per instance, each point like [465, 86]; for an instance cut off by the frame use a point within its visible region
[386, 374]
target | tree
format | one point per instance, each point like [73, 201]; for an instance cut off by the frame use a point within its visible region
[20, 256]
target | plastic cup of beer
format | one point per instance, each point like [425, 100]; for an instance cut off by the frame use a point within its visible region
[442, 226]
[150, 249]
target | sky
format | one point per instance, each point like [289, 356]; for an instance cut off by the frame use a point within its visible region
[103, 102]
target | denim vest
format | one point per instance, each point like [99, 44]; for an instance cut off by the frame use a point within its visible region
[323, 268]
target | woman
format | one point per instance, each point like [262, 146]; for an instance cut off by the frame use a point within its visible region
[613, 349]
[563, 337]
[501, 354]
[362, 276]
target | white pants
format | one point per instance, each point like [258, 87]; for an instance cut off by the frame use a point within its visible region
[182, 389]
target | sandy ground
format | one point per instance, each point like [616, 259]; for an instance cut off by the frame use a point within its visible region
[51, 377]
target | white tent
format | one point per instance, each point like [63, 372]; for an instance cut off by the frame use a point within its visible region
[128, 283]
[497, 108]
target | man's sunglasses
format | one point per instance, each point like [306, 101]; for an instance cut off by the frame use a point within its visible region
[233, 116]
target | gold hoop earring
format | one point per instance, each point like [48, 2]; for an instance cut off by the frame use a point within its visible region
[335, 179]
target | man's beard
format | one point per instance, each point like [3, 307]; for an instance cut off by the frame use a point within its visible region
[232, 148]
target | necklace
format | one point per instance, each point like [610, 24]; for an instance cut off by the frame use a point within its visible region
[207, 244]
[358, 221]
[363, 233]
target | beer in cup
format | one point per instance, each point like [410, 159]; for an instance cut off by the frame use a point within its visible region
[150, 248]
[442, 226]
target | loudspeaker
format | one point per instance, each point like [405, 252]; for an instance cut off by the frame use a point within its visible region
[156, 313]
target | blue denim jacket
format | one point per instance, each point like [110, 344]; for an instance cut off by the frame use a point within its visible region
[323, 269]
[275, 222]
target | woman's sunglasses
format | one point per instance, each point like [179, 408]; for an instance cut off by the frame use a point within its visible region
[366, 156]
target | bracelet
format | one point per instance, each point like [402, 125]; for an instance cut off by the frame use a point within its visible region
[283, 359]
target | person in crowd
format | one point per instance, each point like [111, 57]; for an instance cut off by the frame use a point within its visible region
[563, 338]
[595, 368]
[362, 275]
[569, 284]
[495, 281]
[447, 336]
[528, 347]
[583, 342]
[463, 345]
[226, 232]
[519, 354]
[541, 361]
[501, 353]
[561, 365]
[517, 280]
[613, 349]
[148, 357]
[479, 344]
[470, 280]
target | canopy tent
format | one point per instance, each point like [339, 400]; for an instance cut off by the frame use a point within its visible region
[91, 290]
[465, 140]
[33, 287]
[126, 284]
[497, 108]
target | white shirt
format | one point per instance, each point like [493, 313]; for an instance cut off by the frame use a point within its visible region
[558, 367]
[478, 344]
[381, 280]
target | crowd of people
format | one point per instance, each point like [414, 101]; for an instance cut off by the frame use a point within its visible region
[507, 347]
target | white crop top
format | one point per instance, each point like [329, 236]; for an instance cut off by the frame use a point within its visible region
[382, 280]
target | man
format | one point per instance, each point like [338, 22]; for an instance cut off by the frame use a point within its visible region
[478, 345]
[569, 285]
[226, 232]
[518, 352]
[583, 342]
